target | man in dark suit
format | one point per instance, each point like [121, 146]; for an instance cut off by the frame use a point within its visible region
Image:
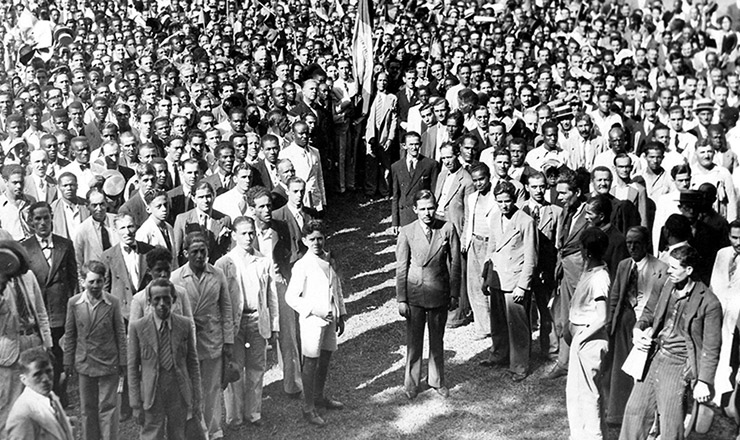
[222, 179]
[163, 368]
[52, 261]
[637, 280]
[406, 97]
[136, 206]
[427, 286]
[571, 188]
[410, 175]
[181, 197]
[267, 168]
[286, 171]
[294, 215]
[215, 225]
[685, 358]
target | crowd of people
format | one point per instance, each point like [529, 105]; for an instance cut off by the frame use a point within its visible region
[568, 171]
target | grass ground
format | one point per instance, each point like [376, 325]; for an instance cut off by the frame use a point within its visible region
[367, 370]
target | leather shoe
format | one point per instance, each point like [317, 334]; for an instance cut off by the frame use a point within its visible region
[257, 423]
[410, 394]
[557, 371]
[493, 362]
[443, 391]
[313, 418]
[328, 403]
[518, 377]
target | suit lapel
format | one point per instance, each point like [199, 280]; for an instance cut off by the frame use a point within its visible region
[508, 233]
[433, 244]
[150, 330]
[57, 254]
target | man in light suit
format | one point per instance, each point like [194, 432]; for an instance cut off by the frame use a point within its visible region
[638, 278]
[273, 240]
[95, 348]
[725, 279]
[209, 296]
[39, 185]
[37, 414]
[97, 233]
[294, 215]
[126, 264]
[410, 175]
[68, 211]
[164, 383]
[52, 260]
[23, 320]
[215, 225]
[380, 132]
[571, 187]
[512, 252]
[307, 163]
[453, 188]
[427, 287]
[436, 135]
[255, 306]
[545, 216]
[479, 207]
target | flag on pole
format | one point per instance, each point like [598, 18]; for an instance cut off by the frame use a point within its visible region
[362, 52]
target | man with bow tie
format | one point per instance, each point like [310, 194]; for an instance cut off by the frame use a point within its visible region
[80, 167]
[52, 261]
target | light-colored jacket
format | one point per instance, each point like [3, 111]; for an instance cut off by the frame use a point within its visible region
[513, 250]
[9, 320]
[32, 418]
[312, 293]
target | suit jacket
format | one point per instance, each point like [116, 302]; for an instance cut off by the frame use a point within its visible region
[405, 186]
[617, 249]
[218, 186]
[457, 195]
[290, 224]
[143, 361]
[429, 142]
[87, 243]
[313, 293]
[637, 195]
[655, 276]
[95, 343]
[264, 174]
[547, 233]
[513, 251]
[388, 121]
[58, 282]
[268, 319]
[10, 321]
[29, 188]
[568, 242]
[59, 221]
[32, 418]
[427, 272]
[179, 203]
[703, 318]
[219, 239]
[279, 197]
[404, 104]
[136, 208]
[117, 279]
[482, 143]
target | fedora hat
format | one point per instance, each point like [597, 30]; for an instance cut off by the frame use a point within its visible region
[703, 104]
[691, 196]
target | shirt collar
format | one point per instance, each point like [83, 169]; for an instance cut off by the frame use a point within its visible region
[188, 272]
[133, 249]
[158, 322]
[49, 241]
[642, 263]
[85, 298]
[683, 293]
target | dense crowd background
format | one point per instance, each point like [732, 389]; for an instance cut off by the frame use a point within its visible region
[568, 170]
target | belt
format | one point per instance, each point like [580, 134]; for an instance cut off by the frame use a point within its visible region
[480, 237]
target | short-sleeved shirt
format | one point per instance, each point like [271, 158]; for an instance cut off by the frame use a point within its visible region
[594, 285]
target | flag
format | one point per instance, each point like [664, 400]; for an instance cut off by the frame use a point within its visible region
[362, 52]
[338, 8]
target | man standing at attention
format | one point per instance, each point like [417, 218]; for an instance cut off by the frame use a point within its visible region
[410, 175]
[427, 286]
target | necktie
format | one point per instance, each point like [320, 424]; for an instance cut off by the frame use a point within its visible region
[733, 266]
[84, 166]
[299, 219]
[632, 286]
[242, 206]
[165, 347]
[166, 236]
[428, 233]
[379, 111]
[536, 214]
[203, 222]
[20, 302]
[104, 237]
[412, 167]
[46, 250]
